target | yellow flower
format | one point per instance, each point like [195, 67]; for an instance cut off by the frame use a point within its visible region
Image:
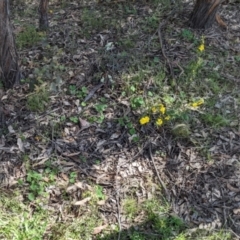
[144, 120]
[38, 138]
[159, 122]
[201, 47]
[167, 118]
[162, 109]
[197, 103]
[154, 110]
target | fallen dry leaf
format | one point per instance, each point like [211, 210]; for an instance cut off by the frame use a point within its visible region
[64, 176]
[236, 211]
[101, 203]
[97, 230]
[79, 185]
[83, 123]
[82, 202]
[20, 144]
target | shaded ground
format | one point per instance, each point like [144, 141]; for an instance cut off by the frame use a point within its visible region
[105, 68]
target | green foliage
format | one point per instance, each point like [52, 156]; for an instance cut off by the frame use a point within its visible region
[152, 21]
[74, 119]
[37, 101]
[214, 120]
[72, 177]
[51, 171]
[79, 228]
[16, 222]
[72, 89]
[137, 236]
[92, 21]
[28, 37]
[187, 35]
[137, 102]
[100, 108]
[130, 207]
[99, 192]
[128, 42]
[167, 227]
[127, 123]
[80, 93]
[36, 184]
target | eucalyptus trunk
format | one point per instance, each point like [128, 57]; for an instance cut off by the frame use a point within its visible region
[204, 13]
[9, 70]
[43, 12]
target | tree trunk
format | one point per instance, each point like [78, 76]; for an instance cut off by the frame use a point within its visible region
[204, 13]
[43, 11]
[9, 70]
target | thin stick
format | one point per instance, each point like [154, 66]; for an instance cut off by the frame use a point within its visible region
[163, 52]
[118, 206]
[159, 178]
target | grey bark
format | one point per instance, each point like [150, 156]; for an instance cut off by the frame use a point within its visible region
[204, 13]
[43, 12]
[9, 69]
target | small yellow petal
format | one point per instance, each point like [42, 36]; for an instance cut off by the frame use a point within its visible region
[201, 47]
[144, 120]
[162, 109]
[167, 118]
[154, 109]
[198, 103]
[159, 122]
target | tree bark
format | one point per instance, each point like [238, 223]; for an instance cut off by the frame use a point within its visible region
[43, 11]
[9, 70]
[204, 13]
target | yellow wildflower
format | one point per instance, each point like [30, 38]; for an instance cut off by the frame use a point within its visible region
[201, 47]
[167, 118]
[38, 138]
[144, 120]
[197, 103]
[162, 109]
[154, 110]
[159, 122]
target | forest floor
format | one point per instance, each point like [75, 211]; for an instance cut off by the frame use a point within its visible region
[125, 124]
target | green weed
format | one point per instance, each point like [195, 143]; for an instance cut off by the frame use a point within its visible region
[127, 43]
[92, 21]
[36, 184]
[17, 222]
[28, 37]
[99, 192]
[130, 207]
[127, 123]
[100, 108]
[214, 120]
[72, 177]
[38, 100]
[187, 34]
[74, 119]
[137, 102]
[78, 228]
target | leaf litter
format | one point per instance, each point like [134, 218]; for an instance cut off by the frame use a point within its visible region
[204, 192]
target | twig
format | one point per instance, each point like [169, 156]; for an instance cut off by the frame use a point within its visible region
[159, 178]
[119, 218]
[92, 92]
[163, 52]
[118, 206]
[235, 234]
